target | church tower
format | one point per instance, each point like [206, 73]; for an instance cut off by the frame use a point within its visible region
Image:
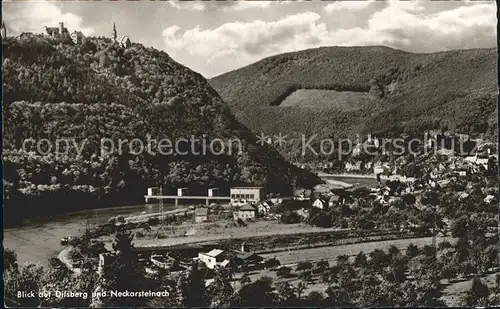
[115, 35]
[3, 30]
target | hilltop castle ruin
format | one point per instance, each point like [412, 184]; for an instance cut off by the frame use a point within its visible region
[63, 32]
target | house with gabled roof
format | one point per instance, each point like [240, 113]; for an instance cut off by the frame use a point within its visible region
[263, 208]
[245, 212]
[320, 203]
[333, 200]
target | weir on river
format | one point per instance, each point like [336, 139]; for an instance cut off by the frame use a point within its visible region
[193, 197]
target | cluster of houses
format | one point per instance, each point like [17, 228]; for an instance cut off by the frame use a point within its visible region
[326, 202]
[249, 202]
[434, 141]
[444, 165]
[239, 260]
[246, 203]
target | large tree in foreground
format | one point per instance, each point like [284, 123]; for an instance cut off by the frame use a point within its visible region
[123, 274]
[27, 279]
[477, 296]
[220, 292]
[257, 294]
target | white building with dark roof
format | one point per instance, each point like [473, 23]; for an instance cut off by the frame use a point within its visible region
[214, 258]
[124, 41]
[246, 212]
[320, 203]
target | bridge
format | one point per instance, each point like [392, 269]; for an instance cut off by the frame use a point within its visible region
[187, 197]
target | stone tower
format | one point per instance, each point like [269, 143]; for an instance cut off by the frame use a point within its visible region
[3, 30]
[115, 35]
[61, 28]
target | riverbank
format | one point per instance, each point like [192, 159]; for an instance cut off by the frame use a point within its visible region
[332, 184]
[166, 213]
[63, 256]
[38, 240]
[325, 175]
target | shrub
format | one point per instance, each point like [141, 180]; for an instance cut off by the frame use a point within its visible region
[284, 271]
[153, 221]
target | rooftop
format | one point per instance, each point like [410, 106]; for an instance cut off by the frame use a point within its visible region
[246, 255]
[214, 252]
[334, 198]
[246, 187]
[247, 207]
[322, 200]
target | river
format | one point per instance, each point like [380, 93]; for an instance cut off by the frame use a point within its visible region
[39, 239]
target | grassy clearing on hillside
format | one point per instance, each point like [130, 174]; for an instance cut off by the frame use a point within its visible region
[327, 99]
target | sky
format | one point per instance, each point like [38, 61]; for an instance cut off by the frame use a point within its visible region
[214, 37]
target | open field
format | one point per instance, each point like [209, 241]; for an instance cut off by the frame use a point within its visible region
[204, 232]
[326, 99]
[331, 253]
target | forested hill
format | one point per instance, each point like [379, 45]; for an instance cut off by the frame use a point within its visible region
[98, 89]
[378, 89]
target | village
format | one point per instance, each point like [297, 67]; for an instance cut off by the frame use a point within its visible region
[372, 223]
[257, 234]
